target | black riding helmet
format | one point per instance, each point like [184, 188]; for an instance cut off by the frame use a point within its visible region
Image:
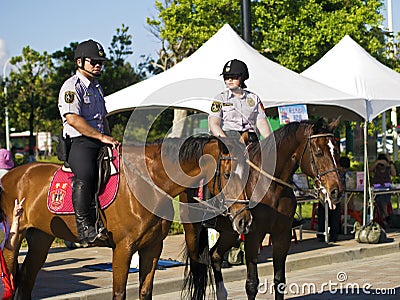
[236, 67]
[89, 49]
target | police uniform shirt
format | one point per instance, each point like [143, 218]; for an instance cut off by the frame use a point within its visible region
[237, 114]
[80, 96]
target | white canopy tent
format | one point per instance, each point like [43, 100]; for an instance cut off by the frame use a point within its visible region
[194, 82]
[349, 68]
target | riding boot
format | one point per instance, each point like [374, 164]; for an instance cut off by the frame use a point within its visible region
[81, 198]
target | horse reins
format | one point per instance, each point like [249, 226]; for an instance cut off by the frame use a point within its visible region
[205, 203]
[217, 175]
[312, 161]
[314, 165]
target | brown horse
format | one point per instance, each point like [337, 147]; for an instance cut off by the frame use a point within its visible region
[134, 222]
[299, 144]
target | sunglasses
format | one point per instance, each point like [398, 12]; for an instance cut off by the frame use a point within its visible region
[94, 62]
[233, 77]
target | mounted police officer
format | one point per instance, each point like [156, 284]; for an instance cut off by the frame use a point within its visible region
[83, 112]
[237, 110]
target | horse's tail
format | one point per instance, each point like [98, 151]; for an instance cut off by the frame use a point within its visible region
[199, 274]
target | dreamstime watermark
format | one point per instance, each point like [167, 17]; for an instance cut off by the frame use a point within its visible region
[340, 286]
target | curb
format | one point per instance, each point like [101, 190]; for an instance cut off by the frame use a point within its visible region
[296, 261]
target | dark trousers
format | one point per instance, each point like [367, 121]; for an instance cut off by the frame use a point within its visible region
[83, 159]
[333, 220]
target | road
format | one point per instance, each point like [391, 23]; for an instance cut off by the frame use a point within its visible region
[370, 278]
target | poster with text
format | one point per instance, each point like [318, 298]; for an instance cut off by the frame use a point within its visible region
[292, 113]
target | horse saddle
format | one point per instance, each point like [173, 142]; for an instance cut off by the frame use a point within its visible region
[59, 200]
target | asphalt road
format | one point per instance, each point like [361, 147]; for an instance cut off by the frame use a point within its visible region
[370, 278]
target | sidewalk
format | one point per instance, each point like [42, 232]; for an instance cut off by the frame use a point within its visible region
[65, 277]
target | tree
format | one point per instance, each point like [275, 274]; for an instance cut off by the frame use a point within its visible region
[298, 33]
[117, 72]
[28, 89]
[293, 33]
[182, 27]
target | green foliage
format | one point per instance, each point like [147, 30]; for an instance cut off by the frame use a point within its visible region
[183, 26]
[28, 88]
[293, 33]
[297, 33]
[117, 72]
[176, 228]
[148, 125]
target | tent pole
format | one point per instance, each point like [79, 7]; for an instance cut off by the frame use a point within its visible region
[366, 183]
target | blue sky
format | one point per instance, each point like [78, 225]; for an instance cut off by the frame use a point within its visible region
[50, 25]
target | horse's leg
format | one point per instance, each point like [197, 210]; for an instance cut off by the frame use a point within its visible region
[38, 248]
[251, 246]
[225, 241]
[122, 255]
[280, 249]
[196, 278]
[148, 258]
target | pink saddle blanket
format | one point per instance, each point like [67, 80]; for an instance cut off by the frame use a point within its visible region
[59, 200]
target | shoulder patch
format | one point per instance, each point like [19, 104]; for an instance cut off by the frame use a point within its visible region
[250, 101]
[216, 106]
[69, 96]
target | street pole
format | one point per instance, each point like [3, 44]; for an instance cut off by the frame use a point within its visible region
[246, 21]
[393, 115]
[6, 106]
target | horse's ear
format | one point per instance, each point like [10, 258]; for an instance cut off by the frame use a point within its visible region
[309, 130]
[318, 125]
[334, 124]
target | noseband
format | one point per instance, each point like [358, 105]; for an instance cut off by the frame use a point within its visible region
[318, 174]
[226, 203]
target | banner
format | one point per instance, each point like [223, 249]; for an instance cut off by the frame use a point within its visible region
[292, 113]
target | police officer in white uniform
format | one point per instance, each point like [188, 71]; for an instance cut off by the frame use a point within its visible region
[237, 110]
[82, 109]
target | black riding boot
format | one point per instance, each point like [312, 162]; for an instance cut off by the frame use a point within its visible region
[81, 199]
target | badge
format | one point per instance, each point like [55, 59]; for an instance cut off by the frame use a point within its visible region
[227, 104]
[216, 106]
[69, 96]
[250, 102]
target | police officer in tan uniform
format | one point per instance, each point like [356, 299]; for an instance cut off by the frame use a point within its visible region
[237, 110]
[83, 112]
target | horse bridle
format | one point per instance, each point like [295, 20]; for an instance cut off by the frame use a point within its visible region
[318, 175]
[227, 202]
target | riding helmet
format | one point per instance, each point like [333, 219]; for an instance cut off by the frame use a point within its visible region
[90, 49]
[236, 67]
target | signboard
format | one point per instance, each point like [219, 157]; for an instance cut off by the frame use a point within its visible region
[292, 113]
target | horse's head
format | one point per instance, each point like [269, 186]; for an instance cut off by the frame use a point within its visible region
[319, 160]
[229, 179]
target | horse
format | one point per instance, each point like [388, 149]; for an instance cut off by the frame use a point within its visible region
[141, 215]
[307, 145]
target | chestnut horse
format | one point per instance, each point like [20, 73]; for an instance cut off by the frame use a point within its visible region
[141, 215]
[299, 144]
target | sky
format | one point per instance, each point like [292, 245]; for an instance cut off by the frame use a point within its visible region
[51, 25]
